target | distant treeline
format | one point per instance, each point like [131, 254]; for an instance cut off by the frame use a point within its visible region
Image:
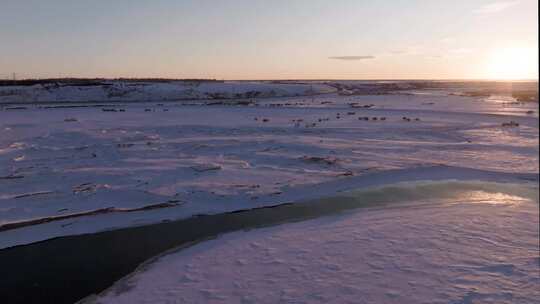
[93, 81]
[526, 96]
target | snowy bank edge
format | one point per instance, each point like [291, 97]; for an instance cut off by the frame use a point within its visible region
[111, 221]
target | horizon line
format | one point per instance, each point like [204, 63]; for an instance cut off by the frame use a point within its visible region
[267, 79]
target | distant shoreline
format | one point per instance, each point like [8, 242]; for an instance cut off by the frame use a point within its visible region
[101, 90]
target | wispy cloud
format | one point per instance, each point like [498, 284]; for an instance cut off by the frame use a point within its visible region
[461, 51]
[415, 49]
[352, 57]
[495, 7]
[448, 40]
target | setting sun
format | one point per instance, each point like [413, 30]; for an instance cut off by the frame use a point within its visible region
[513, 63]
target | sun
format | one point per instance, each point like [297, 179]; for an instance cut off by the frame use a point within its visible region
[513, 64]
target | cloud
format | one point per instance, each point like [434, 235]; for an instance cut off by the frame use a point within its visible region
[461, 51]
[495, 7]
[448, 40]
[352, 57]
[417, 49]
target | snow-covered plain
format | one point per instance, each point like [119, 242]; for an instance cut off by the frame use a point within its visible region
[84, 167]
[455, 178]
[456, 246]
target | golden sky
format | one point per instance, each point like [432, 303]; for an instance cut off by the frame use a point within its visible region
[256, 39]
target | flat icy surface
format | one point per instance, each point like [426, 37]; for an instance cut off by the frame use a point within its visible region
[106, 157]
[59, 163]
[479, 247]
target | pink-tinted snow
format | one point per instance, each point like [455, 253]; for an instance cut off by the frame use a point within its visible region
[482, 248]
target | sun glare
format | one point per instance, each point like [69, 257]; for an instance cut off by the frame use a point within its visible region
[513, 63]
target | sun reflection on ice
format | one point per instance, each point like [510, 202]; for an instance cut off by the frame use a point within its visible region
[498, 198]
